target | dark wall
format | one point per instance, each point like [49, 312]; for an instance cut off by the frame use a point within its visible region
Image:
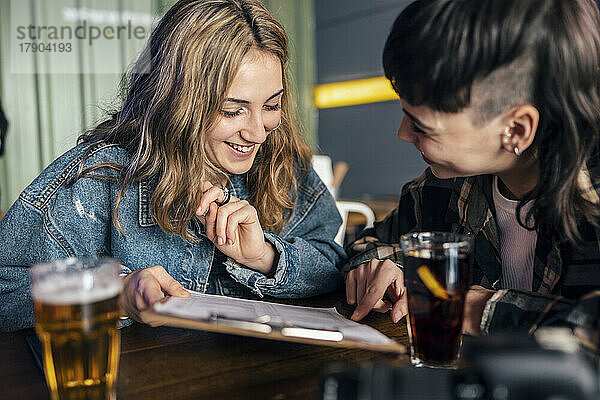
[350, 39]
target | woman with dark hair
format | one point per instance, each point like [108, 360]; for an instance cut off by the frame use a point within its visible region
[202, 174]
[502, 100]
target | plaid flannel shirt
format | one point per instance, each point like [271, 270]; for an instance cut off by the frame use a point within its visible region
[566, 279]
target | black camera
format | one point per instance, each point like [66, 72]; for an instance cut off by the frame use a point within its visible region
[495, 368]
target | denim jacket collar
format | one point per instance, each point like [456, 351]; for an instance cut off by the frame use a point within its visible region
[146, 188]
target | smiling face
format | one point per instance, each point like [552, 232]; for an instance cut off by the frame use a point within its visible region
[251, 111]
[452, 145]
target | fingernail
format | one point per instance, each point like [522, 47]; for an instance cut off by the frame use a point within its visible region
[220, 241]
[230, 242]
[199, 211]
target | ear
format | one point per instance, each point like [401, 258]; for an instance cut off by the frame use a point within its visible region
[521, 127]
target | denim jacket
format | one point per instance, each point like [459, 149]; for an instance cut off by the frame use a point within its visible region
[52, 219]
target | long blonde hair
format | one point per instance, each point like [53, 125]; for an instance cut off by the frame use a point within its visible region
[173, 94]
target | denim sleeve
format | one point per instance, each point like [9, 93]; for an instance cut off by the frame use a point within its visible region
[26, 237]
[308, 257]
[49, 221]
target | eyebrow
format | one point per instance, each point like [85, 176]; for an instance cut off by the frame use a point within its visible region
[417, 121]
[240, 101]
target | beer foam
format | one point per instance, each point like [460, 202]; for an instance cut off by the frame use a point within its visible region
[65, 290]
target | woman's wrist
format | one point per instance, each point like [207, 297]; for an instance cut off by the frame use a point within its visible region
[265, 264]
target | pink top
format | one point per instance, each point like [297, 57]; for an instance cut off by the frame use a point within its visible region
[517, 244]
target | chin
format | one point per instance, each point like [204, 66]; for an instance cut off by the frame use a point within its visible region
[239, 168]
[443, 173]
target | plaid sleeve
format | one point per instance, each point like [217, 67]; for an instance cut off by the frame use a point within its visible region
[373, 245]
[423, 205]
[518, 310]
[382, 241]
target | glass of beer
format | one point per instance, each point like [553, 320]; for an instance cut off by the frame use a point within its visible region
[436, 276]
[77, 310]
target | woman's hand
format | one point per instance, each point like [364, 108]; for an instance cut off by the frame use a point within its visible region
[369, 282]
[475, 301]
[145, 287]
[235, 230]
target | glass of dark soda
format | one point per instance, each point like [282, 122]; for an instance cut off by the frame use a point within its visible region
[436, 275]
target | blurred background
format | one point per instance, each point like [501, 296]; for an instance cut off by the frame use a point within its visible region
[347, 109]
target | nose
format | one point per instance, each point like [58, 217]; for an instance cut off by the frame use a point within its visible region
[405, 133]
[255, 130]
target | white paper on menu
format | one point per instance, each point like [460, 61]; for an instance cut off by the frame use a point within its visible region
[201, 306]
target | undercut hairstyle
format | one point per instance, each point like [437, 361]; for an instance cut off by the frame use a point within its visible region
[173, 95]
[494, 55]
[504, 88]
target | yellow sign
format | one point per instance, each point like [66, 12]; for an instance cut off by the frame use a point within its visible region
[349, 93]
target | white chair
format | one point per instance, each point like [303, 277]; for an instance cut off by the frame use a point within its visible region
[323, 167]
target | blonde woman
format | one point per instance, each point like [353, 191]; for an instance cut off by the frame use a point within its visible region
[200, 181]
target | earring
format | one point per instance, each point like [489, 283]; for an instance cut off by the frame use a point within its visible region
[508, 136]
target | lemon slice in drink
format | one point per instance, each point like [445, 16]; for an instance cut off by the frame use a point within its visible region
[431, 283]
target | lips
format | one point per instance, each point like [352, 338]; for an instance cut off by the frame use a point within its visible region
[240, 150]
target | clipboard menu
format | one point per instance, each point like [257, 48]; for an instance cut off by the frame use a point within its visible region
[323, 326]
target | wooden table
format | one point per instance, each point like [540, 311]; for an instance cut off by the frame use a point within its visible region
[171, 363]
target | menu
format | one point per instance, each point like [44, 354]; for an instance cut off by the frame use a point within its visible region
[324, 326]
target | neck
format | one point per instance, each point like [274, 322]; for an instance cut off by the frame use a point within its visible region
[215, 178]
[516, 182]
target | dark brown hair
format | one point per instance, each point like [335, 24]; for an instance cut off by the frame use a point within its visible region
[549, 52]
